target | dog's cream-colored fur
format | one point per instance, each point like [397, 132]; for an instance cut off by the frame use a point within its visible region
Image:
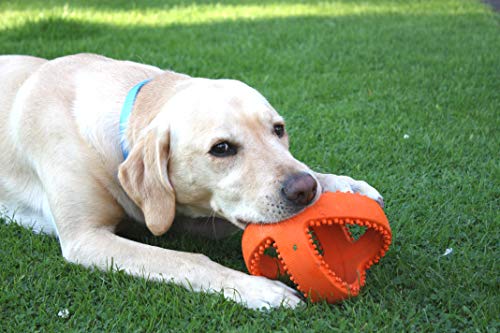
[62, 169]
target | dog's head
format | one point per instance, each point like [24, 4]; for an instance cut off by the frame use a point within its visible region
[215, 148]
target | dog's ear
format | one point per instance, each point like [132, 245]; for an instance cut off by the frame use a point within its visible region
[144, 176]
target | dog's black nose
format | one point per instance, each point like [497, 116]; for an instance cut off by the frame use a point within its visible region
[299, 189]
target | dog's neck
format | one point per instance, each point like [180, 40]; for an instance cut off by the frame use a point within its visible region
[149, 102]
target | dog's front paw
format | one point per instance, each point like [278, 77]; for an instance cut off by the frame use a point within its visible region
[257, 292]
[333, 183]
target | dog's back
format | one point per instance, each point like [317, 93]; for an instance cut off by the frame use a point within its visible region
[14, 199]
[14, 70]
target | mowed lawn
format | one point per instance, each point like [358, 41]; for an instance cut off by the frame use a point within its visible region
[403, 94]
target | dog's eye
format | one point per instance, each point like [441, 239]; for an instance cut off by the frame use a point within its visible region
[223, 149]
[279, 130]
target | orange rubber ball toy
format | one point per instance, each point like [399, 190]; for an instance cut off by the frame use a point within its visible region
[316, 249]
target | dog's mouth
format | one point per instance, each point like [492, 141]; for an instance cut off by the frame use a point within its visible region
[277, 211]
[241, 223]
[244, 223]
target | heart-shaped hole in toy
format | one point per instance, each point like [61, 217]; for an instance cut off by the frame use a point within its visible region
[356, 231]
[340, 251]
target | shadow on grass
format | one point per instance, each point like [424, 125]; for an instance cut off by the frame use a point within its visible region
[316, 44]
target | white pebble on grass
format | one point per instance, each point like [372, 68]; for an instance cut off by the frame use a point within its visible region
[406, 136]
[64, 313]
[447, 252]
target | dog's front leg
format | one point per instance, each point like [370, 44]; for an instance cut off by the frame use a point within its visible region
[102, 248]
[333, 183]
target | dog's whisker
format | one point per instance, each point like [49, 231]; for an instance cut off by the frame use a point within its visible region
[214, 229]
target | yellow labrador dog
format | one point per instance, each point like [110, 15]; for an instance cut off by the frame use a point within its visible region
[189, 148]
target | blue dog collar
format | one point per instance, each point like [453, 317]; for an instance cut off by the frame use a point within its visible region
[128, 105]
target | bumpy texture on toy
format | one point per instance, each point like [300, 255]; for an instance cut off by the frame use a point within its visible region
[315, 248]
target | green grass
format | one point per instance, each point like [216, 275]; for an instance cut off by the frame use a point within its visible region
[351, 78]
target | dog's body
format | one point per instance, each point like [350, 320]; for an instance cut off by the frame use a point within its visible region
[198, 148]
